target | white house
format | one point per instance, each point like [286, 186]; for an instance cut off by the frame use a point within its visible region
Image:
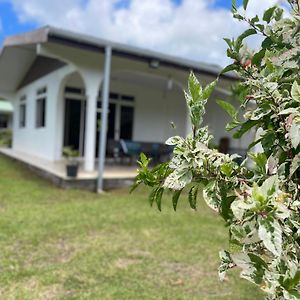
[60, 83]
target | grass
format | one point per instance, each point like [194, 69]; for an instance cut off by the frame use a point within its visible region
[59, 244]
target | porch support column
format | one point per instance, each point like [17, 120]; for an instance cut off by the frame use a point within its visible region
[104, 117]
[92, 91]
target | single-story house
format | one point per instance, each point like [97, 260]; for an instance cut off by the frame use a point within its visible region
[70, 89]
[6, 114]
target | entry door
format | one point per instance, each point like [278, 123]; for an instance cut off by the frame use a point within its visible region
[74, 124]
[120, 122]
[126, 122]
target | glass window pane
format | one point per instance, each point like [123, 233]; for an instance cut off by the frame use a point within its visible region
[126, 129]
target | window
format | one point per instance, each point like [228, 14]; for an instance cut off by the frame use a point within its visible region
[41, 108]
[74, 90]
[41, 112]
[22, 112]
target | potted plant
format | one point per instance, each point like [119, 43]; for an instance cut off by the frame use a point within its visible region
[72, 163]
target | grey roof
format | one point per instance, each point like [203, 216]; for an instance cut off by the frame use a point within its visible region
[53, 34]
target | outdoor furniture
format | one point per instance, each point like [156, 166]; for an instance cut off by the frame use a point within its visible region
[131, 150]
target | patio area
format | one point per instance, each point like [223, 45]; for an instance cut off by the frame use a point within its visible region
[115, 175]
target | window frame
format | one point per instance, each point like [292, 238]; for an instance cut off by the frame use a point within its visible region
[41, 108]
[23, 112]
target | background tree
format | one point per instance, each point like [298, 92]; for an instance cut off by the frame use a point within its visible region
[260, 204]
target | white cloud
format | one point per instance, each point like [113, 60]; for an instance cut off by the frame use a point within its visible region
[193, 30]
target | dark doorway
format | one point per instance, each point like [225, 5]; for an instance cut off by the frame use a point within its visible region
[126, 126]
[74, 124]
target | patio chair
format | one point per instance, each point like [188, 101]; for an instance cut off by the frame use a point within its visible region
[130, 150]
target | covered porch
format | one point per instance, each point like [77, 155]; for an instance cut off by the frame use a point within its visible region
[114, 176]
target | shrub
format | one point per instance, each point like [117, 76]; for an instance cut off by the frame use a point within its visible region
[5, 138]
[260, 204]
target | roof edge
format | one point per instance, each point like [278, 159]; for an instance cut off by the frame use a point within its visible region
[33, 37]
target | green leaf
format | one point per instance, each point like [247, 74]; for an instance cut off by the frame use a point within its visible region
[226, 211]
[152, 195]
[295, 91]
[232, 67]
[232, 125]
[193, 196]
[291, 283]
[227, 169]
[257, 58]
[175, 198]
[158, 197]
[294, 134]
[245, 128]
[260, 160]
[267, 43]
[209, 89]
[226, 264]
[228, 42]
[209, 196]
[294, 165]
[245, 4]
[254, 19]
[233, 5]
[246, 33]
[270, 233]
[268, 14]
[174, 140]
[195, 88]
[229, 108]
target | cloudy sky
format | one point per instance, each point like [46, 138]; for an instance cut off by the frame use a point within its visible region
[189, 28]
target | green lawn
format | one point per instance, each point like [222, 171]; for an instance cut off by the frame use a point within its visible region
[58, 244]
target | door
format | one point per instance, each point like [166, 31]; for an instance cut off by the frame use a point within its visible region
[74, 124]
[126, 122]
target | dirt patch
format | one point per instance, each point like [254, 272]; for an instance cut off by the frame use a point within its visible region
[124, 263]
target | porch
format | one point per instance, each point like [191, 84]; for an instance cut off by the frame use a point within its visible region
[114, 176]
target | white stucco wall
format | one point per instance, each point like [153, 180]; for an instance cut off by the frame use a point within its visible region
[37, 141]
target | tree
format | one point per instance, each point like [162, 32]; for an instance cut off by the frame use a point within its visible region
[260, 204]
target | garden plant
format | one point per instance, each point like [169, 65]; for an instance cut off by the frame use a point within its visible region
[259, 199]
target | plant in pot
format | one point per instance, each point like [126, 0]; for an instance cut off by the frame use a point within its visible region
[72, 163]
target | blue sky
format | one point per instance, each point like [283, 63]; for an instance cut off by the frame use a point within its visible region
[11, 24]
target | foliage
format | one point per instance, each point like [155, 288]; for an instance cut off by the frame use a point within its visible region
[260, 204]
[5, 138]
[70, 154]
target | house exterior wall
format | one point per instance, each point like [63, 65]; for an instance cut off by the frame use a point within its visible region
[30, 139]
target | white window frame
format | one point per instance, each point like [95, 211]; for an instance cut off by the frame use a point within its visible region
[41, 95]
[119, 102]
[23, 103]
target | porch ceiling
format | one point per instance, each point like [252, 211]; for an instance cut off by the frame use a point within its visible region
[144, 79]
[14, 64]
